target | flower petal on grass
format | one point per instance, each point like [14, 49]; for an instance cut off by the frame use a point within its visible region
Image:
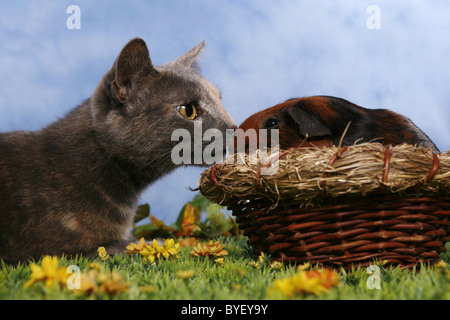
[169, 249]
[48, 272]
[209, 249]
[306, 282]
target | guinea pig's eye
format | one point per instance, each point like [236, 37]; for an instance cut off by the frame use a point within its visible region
[189, 111]
[271, 123]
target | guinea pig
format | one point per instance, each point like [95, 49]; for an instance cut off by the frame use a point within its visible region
[323, 120]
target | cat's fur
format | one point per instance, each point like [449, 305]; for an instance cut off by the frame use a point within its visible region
[74, 185]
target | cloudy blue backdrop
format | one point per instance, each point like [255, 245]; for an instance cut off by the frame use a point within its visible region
[258, 53]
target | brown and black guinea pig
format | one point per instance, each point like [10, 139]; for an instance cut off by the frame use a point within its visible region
[321, 121]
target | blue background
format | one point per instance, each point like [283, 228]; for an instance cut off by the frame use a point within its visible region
[259, 53]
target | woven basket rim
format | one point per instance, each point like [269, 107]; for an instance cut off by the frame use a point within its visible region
[313, 175]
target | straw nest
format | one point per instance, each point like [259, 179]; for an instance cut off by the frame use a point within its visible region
[339, 207]
[311, 176]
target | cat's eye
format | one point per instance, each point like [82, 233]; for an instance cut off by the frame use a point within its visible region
[271, 123]
[189, 111]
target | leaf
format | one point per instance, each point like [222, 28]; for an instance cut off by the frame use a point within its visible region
[200, 202]
[235, 231]
[160, 224]
[218, 222]
[179, 221]
[190, 217]
[145, 231]
[213, 208]
[142, 212]
[150, 231]
[188, 221]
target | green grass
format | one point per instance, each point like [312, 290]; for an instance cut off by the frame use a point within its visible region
[237, 279]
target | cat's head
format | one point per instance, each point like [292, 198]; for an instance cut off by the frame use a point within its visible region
[137, 106]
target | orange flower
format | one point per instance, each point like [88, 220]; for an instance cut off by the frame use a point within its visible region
[209, 249]
[188, 242]
[113, 284]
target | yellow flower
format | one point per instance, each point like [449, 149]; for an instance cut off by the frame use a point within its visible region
[49, 273]
[136, 247]
[88, 283]
[261, 259]
[168, 250]
[219, 261]
[148, 289]
[276, 265]
[113, 284]
[95, 265]
[185, 274]
[98, 283]
[441, 265]
[102, 253]
[304, 266]
[209, 249]
[314, 282]
[236, 286]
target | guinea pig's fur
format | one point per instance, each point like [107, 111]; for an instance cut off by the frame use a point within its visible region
[322, 121]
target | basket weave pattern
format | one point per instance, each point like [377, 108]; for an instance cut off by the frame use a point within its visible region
[400, 231]
[347, 206]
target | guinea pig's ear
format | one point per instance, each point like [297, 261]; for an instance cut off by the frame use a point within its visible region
[308, 124]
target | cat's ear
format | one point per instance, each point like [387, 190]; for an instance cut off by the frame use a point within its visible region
[132, 65]
[189, 59]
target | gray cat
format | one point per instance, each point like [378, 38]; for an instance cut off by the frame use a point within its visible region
[74, 185]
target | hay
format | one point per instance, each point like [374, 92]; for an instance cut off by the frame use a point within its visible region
[339, 207]
[313, 175]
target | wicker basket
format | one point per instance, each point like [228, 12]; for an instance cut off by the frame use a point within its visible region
[340, 207]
